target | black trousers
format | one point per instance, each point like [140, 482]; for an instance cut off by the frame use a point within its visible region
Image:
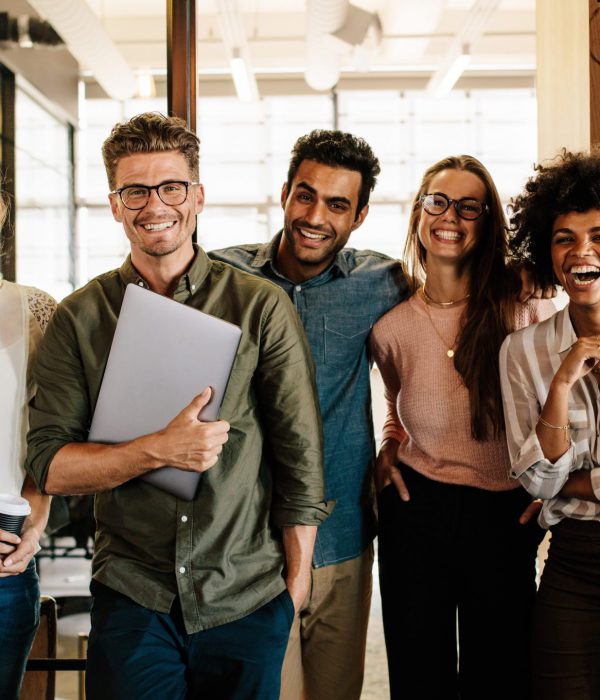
[566, 647]
[457, 577]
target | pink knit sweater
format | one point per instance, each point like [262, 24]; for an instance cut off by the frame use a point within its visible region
[427, 402]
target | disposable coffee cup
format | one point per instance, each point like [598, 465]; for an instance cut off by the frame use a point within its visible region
[13, 511]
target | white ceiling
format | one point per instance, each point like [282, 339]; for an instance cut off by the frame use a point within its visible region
[417, 35]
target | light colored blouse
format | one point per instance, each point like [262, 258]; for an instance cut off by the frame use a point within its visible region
[529, 360]
[428, 404]
[24, 315]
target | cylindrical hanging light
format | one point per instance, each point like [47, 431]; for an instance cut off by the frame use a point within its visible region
[322, 64]
[90, 44]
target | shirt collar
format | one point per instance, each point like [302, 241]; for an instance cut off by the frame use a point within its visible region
[188, 283]
[266, 254]
[565, 333]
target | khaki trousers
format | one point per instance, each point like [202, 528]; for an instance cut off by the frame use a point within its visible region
[325, 656]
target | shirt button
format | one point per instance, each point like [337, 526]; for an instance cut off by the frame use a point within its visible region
[193, 287]
[140, 284]
[184, 518]
[182, 569]
[513, 473]
[298, 288]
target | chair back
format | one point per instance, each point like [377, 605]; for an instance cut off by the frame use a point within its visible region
[40, 685]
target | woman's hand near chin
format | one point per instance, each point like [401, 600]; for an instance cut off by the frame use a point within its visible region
[583, 356]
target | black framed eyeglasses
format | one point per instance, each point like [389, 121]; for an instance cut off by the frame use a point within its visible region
[467, 208]
[171, 193]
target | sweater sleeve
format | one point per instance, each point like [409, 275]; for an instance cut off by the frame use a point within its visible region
[387, 356]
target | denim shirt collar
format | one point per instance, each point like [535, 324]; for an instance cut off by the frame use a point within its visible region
[266, 256]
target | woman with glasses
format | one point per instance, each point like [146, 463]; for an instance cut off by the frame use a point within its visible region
[457, 543]
[550, 381]
[24, 314]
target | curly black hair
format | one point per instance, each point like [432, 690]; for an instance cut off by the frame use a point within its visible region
[337, 149]
[570, 182]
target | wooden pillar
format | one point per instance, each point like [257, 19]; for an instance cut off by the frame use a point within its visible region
[563, 75]
[594, 10]
[181, 63]
[181, 60]
[7, 168]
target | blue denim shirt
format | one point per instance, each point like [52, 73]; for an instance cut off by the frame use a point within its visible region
[338, 309]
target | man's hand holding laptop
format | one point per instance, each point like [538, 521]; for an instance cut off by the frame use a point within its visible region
[187, 442]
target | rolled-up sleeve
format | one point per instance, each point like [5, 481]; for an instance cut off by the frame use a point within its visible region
[541, 478]
[59, 411]
[287, 395]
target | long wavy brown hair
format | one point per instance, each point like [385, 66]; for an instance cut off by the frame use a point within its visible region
[490, 312]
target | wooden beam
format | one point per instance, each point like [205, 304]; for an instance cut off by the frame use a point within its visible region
[594, 6]
[181, 60]
[562, 76]
[7, 169]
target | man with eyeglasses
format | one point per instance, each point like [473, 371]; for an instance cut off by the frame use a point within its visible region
[190, 599]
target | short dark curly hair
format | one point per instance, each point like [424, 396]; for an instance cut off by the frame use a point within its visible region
[570, 182]
[337, 149]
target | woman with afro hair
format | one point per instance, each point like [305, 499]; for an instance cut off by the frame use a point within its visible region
[550, 377]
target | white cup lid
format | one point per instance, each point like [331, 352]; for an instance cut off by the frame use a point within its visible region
[14, 505]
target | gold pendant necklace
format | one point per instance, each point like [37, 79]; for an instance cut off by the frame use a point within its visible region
[450, 351]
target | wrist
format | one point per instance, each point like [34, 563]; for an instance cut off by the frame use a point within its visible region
[558, 392]
[560, 385]
[148, 448]
[389, 449]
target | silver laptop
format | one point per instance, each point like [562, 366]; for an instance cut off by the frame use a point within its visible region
[162, 355]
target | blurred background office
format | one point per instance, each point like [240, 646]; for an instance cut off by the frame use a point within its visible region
[508, 81]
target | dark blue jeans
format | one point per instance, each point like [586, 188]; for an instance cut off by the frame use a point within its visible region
[138, 654]
[19, 619]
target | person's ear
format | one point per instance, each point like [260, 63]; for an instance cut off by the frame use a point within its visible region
[362, 215]
[115, 207]
[284, 195]
[199, 199]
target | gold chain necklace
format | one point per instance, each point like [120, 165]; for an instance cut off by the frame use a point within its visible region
[445, 304]
[450, 350]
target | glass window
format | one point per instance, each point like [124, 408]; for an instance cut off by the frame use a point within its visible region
[42, 193]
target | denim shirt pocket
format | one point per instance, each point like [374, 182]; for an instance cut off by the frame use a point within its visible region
[345, 338]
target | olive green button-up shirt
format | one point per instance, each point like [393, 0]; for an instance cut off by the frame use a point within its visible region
[220, 553]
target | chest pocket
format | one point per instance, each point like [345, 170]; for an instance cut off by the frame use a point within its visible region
[345, 338]
[578, 419]
[240, 382]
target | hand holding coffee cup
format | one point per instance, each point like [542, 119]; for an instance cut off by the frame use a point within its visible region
[13, 511]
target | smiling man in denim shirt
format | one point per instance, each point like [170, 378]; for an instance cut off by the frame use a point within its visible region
[339, 293]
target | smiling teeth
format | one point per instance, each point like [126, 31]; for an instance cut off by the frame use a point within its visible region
[158, 227]
[584, 275]
[581, 269]
[448, 235]
[312, 236]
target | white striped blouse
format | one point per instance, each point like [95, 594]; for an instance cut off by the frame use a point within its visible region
[529, 359]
